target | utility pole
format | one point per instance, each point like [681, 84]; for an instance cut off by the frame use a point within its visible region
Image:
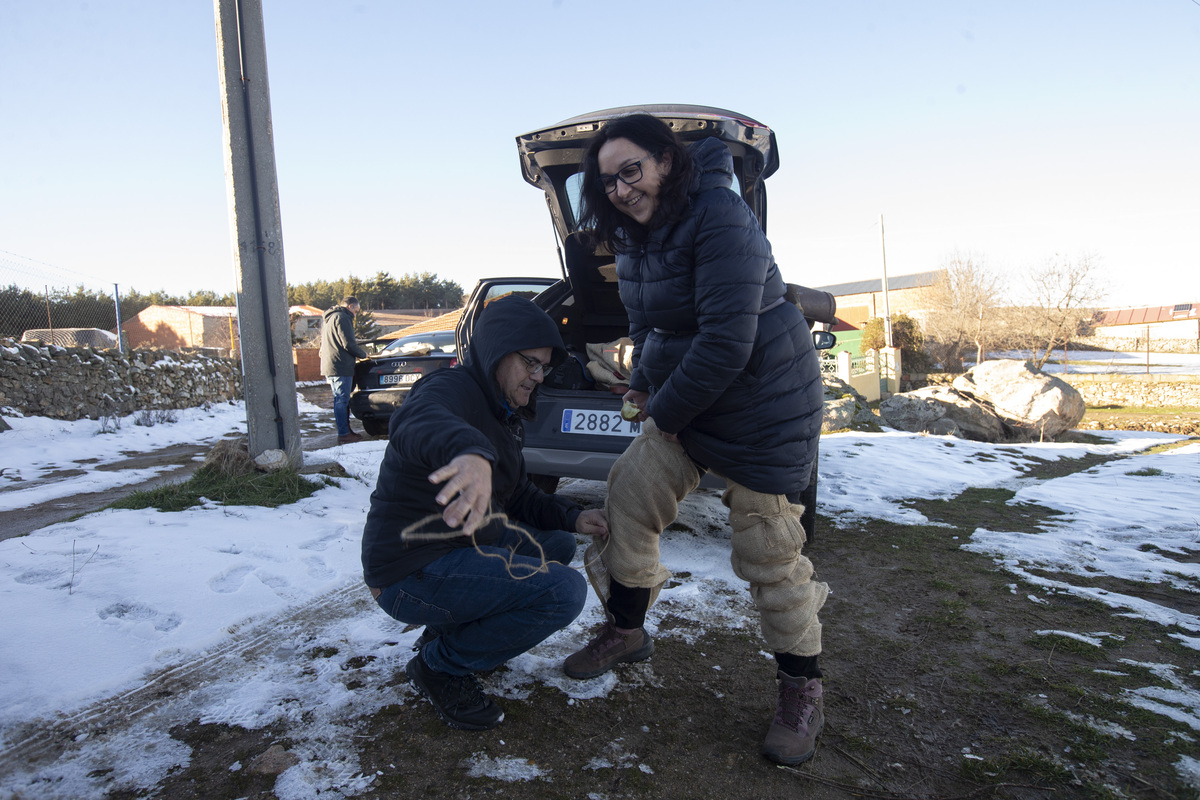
[269, 377]
[887, 309]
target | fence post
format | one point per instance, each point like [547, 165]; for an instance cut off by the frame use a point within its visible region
[117, 305]
[843, 365]
[49, 321]
[889, 371]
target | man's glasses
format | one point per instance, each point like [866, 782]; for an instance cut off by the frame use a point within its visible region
[628, 175]
[532, 365]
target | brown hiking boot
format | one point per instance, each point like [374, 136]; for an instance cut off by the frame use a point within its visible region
[349, 438]
[608, 648]
[799, 718]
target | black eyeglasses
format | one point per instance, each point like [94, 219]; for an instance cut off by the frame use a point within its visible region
[628, 175]
[532, 365]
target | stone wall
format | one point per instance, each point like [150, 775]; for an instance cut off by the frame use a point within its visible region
[1137, 391]
[1134, 344]
[1134, 391]
[75, 382]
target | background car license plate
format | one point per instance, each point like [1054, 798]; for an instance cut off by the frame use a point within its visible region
[598, 423]
[387, 380]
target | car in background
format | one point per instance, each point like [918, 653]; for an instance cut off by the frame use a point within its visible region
[382, 381]
[579, 432]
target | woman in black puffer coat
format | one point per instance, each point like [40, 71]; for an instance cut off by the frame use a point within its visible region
[727, 379]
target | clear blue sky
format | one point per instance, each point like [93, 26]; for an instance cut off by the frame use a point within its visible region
[1009, 130]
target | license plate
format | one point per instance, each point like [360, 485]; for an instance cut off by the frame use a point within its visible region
[598, 423]
[409, 377]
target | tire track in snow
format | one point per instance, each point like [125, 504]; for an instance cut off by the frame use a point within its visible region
[41, 739]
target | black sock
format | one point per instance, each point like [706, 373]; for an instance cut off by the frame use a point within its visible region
[627, 605]
[798, 666]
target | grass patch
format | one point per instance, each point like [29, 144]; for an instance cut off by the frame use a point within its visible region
[257, 489]
[1158, 412]
[1023, 762]
[984, 508]
[1057, 643]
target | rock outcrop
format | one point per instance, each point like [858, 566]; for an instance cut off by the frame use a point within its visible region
[996, 401]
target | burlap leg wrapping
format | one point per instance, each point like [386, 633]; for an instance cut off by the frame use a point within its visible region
[644, 490]
[767, 539]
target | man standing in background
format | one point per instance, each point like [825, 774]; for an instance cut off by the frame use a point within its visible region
[339, 351]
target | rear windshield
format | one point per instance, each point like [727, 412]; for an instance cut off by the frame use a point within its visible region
[430, 341]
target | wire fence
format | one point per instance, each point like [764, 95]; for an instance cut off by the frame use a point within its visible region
[45, 303]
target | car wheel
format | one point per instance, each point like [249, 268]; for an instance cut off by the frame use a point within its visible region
[547, 483]
[809, 498]
[375, 427]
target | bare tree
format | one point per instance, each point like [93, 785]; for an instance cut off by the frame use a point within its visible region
[1065, 293]
[961, 310]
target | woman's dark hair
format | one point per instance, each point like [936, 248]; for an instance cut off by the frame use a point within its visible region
[598, 218]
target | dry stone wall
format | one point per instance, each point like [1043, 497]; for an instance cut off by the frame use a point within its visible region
[1138, 391]
[1135, 344]
[1134, 391]
[75, 382]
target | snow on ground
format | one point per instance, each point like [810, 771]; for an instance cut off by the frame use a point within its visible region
[252, 615]
[38, 447]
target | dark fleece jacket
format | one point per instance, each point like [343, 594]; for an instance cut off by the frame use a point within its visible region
[446, 414]
[731, 367]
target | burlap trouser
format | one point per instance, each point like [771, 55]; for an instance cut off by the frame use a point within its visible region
[645, 487]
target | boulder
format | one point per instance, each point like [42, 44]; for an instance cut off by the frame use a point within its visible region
[838, 415]
[941, 410]
[1034, 406]
[844, 407]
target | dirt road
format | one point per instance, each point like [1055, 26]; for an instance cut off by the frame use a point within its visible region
[177, 463]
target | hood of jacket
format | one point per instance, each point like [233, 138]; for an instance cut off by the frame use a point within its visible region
[504, 326]
[712, 165]
[329, 315]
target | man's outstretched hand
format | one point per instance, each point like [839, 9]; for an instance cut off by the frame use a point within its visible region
[467, 492]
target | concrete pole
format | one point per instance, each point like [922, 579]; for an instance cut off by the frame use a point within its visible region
[272, 417]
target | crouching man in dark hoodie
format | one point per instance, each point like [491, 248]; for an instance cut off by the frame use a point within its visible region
[485, 591]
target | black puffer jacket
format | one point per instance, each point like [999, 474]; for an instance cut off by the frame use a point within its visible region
[447, 413]
[730, 366]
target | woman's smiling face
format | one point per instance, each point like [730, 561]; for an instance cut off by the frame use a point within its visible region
[639, 200]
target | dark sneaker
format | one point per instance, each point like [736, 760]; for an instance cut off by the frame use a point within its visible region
[350, 437]
[427, 636]
[608, 648]
[799, 718]
[458, 699]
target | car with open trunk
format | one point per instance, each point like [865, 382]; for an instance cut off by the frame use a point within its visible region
[579, 431]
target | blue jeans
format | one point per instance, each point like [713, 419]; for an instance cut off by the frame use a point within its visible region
[341, 385]
[484, 616]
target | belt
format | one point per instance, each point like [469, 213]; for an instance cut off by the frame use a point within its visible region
[375, 592]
